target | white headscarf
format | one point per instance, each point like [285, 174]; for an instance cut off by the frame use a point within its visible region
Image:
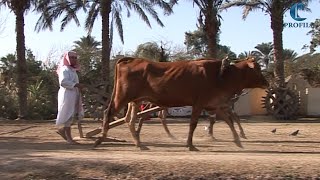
[65, 61]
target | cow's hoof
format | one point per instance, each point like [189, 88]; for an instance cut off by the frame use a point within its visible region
[243, 136]
[143, 148]
[192, 148]
[97, 142]
[213, 138]
[238, 143]
[172, 137]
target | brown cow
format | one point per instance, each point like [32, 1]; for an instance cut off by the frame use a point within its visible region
[231, 114]
[184, 83]
[212, 114]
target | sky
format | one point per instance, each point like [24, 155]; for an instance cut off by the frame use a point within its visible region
[240, 35]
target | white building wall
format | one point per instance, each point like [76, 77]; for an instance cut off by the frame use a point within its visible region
[180, 111]
[313, 101]
[242, 106]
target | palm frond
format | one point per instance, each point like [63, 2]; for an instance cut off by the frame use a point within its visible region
[166, 6]
[289, 54]
[118, 23]
[248, 6]
[49, 14]
[154, 15]
[71, 9]
[68, 17]
[289, 3]
[141, 12]
[200, 5]
[92, 16]
[52, 10]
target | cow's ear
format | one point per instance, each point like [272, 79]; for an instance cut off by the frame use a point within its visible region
[251, 64]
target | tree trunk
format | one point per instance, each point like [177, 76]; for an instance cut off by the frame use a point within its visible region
[22, 76]
[277, 28]
[211, 28]
[106, 46]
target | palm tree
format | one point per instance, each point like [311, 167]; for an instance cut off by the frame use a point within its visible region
[245, 54]
[276, 10]
[289, 54]
[209, 10]
[264, 53]
[19, 8]
[111, 14]
[89, 52]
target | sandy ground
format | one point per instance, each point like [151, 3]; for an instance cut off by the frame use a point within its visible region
[32, 150]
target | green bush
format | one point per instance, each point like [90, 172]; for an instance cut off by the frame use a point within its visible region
[8, 104]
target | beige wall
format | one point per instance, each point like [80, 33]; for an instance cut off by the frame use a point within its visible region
[242, 106]
[313, 101]
[250, 104]
[256, 101]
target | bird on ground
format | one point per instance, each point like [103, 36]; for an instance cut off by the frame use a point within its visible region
[274, 131]
[295, 133]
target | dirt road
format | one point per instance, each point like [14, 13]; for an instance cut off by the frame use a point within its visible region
[32, 150]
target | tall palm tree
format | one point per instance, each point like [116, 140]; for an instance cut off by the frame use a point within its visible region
[276, 10]
[210, 20]
[19, 8]
[111, 14]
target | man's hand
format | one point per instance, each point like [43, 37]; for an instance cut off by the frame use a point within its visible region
[79, 86]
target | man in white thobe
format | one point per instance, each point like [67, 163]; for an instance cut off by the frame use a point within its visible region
[69, 98]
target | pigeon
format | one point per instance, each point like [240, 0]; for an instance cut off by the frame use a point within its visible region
[274, 131]
[295, 133]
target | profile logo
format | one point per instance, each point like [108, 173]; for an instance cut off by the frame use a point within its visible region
[294, 11]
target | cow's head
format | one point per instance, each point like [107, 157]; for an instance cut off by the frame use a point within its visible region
[253, 74]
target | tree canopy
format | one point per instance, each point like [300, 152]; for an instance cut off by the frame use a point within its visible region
[315, 35]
